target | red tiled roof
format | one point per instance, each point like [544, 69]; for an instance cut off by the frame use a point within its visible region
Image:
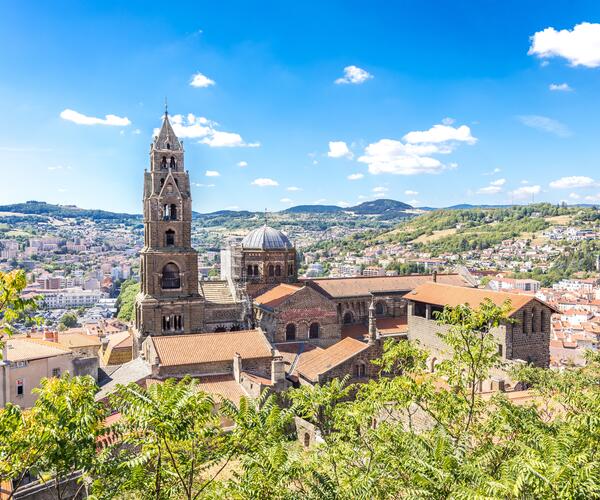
[314, 363]
[366, 285]
[276, 295]
[174, 350]
[442, 295]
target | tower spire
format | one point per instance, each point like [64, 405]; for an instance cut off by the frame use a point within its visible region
[166, 107]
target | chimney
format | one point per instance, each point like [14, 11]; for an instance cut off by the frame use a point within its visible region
[372, 323]
[49, 336]
[237, 366]
[277, 370]
[434, 276]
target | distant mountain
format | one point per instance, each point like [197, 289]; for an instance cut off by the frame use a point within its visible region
[380, 207]
[68, 211]
[313, 209]
[225, 213]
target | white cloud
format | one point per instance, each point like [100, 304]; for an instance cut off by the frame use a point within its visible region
[448, 121]
[580, 46]
[339, 149]
[294, 188]
[200, 185]
[199, 127]
[355, 177]
[410, 192]
[526, 191]
[494, 187]
[414, 156]
[212, 173]
[413, 203]
[493, 172]
[137, 131]
[574, 196]
[354, 75]
[58, 167]
[573, 181]
[343, 204]
[380, 189]
[441, 133]
[594, 198]
[560, 87]
[264, 182]
[200, 81]
[80, 119]
[220, 139]
[242, 164]
[286, 200]
[545, 124]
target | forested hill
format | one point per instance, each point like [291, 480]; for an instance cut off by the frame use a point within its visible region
[63, 211]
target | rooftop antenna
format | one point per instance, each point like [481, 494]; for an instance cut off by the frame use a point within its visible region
[166, 107]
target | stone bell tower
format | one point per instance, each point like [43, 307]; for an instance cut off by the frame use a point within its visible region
[169, 302]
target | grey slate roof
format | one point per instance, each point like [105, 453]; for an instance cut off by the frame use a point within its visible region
[266, 238]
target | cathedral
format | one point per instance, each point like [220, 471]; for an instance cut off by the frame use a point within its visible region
[261, 325]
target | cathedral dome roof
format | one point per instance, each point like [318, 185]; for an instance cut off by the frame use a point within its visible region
[266, 238]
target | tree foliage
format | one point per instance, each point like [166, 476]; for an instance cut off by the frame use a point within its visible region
[126, 300]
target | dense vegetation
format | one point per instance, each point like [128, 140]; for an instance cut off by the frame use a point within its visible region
[409, 434]
[126, 300]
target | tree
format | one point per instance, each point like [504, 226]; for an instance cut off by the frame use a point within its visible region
[55, 438]
[126, 299]
[12, 305]
[67, 320]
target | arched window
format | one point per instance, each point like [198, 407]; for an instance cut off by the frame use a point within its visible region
[170, 277]
[348, 318]
[173, 162]
[271, 270]
[533, 320]
[313, 331]
[170, 238]
[360, 369]
[173, 212]
[291, 270]
[379, 309]
[162, 182]
[163, 162]
[168, 146]
[290, 332]
[249, 270]
[306, 439]
[256, 273]
[277, 270]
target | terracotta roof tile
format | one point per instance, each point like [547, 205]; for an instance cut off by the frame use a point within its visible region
[276, 295]
[224, 386]
[363, 286]
[442, 295]
[23, 349]
[314, 363]
[174, 350]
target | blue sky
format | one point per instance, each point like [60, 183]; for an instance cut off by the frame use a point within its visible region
[429, 102]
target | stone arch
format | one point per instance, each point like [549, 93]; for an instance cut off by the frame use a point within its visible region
[171, 278]
[380, 308]
[348, 318]
[360, 369]
[314, 330]
[278, 270]
[271, 270]
[290, 332]
[173, 162]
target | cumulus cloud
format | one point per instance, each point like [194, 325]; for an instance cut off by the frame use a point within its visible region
[355, 177]
[572, 182]
[526, 191]
[560, 87]
[410, 192]
[414, 155]
[242, 164]
[199, 127]
[441, 133]
[294, 188]
[354, 75]
[212, 173]
[81, 119]
[494, 187]
[580, 45]
[200, 81]
[264, 182]
[200, 185]
[343, 204]
[286, 200]
[545, 124]
[339, 149]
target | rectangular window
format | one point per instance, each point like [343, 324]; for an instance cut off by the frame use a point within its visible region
[56, 372]
[500, 350]
[20, 387]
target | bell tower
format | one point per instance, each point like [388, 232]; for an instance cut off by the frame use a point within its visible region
[169, 302]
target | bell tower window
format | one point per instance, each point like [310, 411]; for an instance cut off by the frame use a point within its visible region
[173, 162]
[170, 238]
[170, 212]
[163, 162]
[171, 278]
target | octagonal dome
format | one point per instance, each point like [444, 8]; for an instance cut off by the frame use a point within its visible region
[266, 238]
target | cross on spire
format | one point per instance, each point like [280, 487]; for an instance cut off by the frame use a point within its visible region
[166, 107]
